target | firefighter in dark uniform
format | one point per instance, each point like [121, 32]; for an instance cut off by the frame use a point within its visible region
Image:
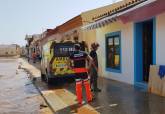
[78, 63]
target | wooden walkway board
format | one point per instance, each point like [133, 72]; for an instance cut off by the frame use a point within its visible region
[63, 101]
[156, 85]
[55, 102]
[70, 99]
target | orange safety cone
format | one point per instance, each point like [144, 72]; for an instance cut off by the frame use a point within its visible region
[79, 90]
[88, 90]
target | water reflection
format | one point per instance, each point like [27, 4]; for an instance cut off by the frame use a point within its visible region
[17, 94]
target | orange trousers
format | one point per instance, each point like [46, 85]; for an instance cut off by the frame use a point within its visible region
[79, 84]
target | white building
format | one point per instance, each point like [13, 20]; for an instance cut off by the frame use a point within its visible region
[131, 35]
[9, 50]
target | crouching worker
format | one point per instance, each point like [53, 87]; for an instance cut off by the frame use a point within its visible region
[78, 60]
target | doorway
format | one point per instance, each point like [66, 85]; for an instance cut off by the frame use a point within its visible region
[144, 51]
[147, 36]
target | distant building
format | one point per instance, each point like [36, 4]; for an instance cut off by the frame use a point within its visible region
[33, 44]
[9, 50]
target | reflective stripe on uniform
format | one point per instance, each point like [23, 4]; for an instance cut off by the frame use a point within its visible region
[80, 70]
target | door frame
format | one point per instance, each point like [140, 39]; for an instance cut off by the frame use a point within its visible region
[138, 57]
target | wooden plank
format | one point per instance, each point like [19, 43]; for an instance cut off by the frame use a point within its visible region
[155, 84]
[66, 96]
[70, 99]
[163, 89]
[87, 109]
[54, 101]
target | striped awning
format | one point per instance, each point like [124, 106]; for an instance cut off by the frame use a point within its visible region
[114, 16]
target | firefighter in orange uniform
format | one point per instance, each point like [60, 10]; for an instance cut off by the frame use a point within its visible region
[78, 60]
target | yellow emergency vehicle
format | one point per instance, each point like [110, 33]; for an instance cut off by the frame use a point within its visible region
[54, 60]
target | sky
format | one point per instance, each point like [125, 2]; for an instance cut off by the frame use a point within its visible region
[21, 17]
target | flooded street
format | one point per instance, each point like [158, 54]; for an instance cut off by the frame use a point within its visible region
[115, 97]
[17, 93]
[19, 96]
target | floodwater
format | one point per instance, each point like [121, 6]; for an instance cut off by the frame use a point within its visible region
[17, 93]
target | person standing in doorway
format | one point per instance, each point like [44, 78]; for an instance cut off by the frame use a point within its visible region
[94, 69]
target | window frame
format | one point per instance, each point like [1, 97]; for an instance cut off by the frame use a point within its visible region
[107, 37]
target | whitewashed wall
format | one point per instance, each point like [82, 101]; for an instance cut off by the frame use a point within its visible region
[8, 50]
[160, 39]
[127, 54]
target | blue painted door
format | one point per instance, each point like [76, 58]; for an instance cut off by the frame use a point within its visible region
[144, 54]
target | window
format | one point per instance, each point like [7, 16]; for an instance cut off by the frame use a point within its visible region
[113, 52]
[63, 49]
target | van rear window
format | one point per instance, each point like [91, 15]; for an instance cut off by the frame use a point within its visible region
[63, 49]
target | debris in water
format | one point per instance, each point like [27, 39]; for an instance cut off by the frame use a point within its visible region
[113, 105]
[28, 84]
[19, 67]
[28, 75]
[43, 106]
[16, 71]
